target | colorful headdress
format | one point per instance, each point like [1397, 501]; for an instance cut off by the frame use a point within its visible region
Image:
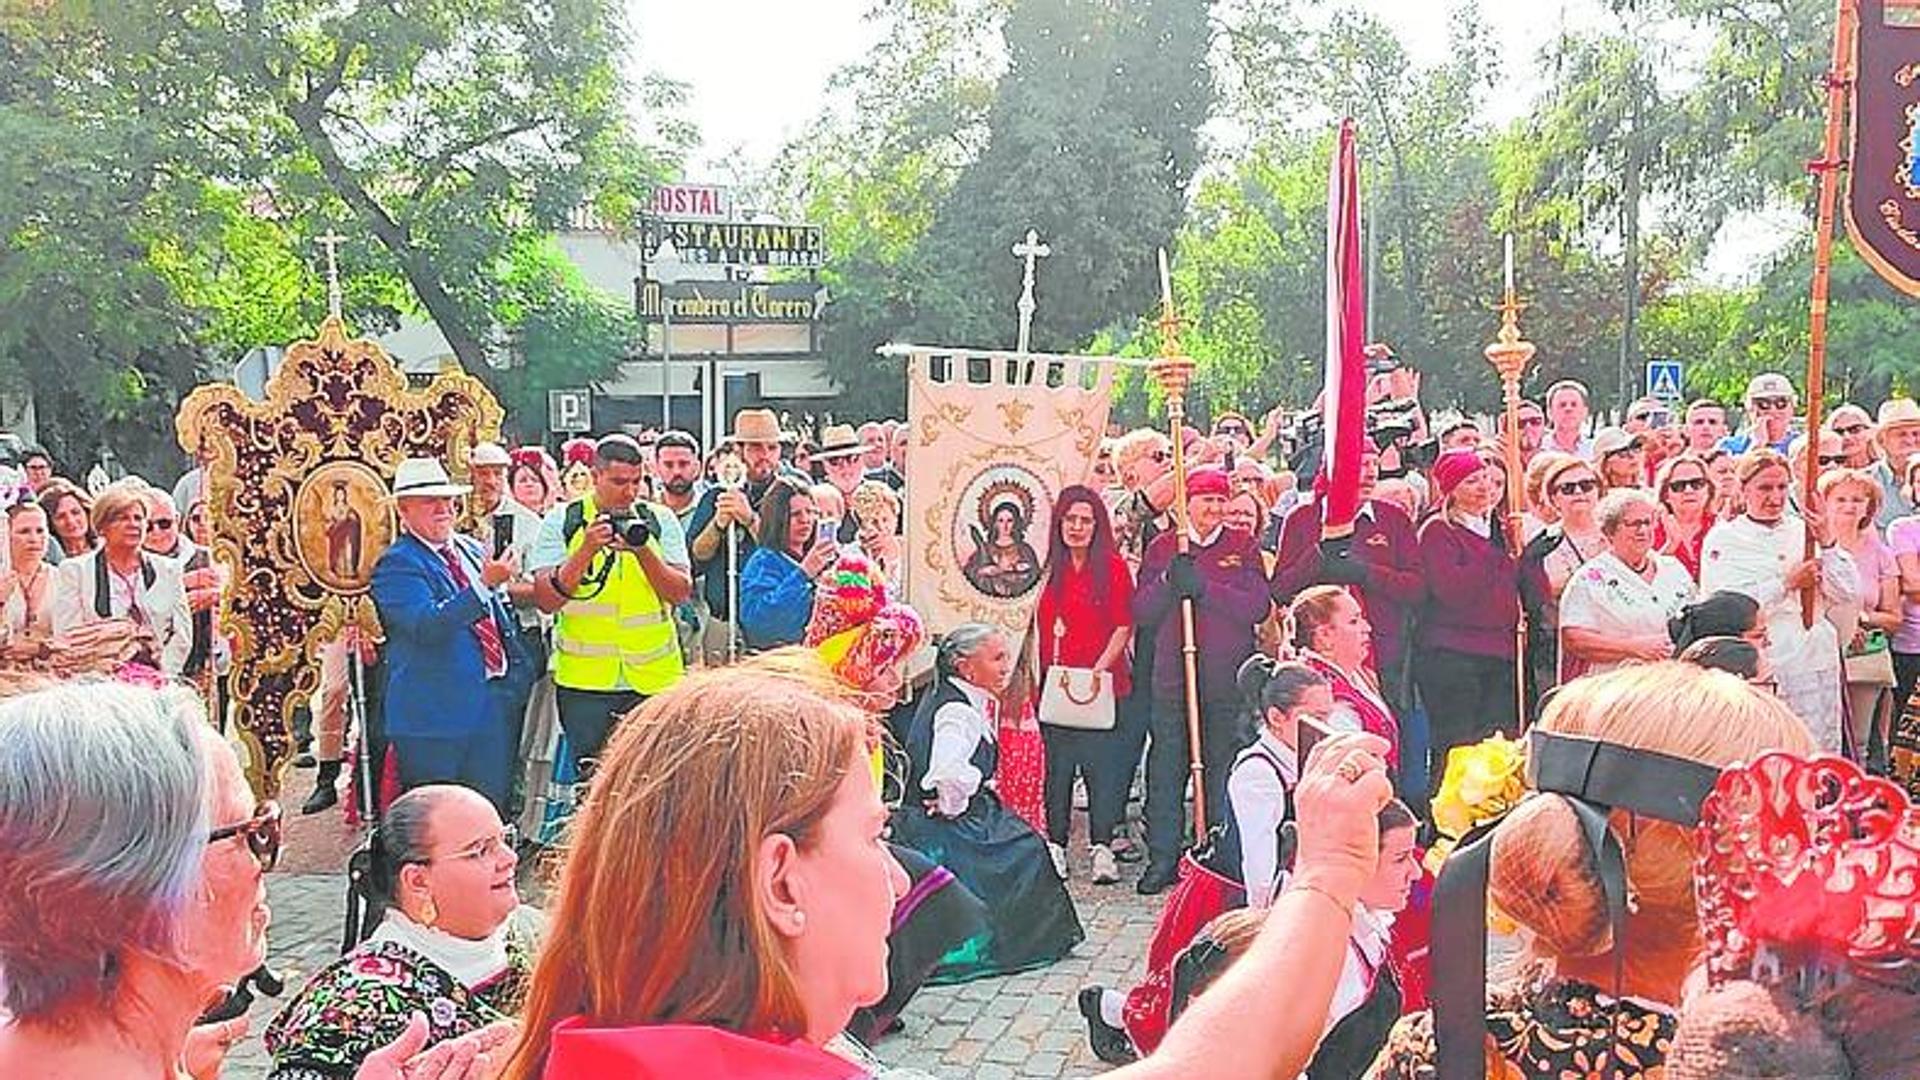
[577, 451]
[1809, 869]
[855, 629]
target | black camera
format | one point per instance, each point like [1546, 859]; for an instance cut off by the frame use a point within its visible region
[630, 529]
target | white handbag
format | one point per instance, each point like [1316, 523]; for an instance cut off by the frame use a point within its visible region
[1078, 698]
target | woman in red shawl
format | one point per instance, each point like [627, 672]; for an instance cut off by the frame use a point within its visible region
[1332, 635]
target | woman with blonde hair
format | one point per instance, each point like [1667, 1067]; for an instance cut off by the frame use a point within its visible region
[876, 506]
[736, 818]
[1620, 762]
[122, 584]
[1852, 502]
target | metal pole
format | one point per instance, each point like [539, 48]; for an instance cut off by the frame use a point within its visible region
[666, 358]
[1839, 82]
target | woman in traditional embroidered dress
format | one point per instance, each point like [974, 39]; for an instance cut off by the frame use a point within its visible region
[1333, 637]
[954, 817]
[1368, 999]
[1616, 609]
[449, 940]
[1761, 553]
[1687, 502]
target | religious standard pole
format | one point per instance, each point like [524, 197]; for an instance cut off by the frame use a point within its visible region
[1029, 249]
[1828, 169]
[1510, 354]
[1172, 371]
[366, 797]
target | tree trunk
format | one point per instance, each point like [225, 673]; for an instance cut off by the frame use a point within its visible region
[1630, 236]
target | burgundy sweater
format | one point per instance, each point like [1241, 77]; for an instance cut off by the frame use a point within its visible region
[1235, 581]
[1383, 538]
[1473, 590]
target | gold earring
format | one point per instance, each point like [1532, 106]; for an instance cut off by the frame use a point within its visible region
[429, 913]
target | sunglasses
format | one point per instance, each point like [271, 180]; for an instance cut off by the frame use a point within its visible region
[1687, 485]
[262, 831]
[1772, 403]
[1533, 421]
[160, 523]
[1850, 429]
[1162, 455]
[1833, 459]
[1232, 429]
[1577, 487]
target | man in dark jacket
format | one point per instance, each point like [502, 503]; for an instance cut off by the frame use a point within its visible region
[1222, 573]
[1381, 562]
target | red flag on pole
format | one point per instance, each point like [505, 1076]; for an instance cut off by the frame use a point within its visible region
[1343, 402]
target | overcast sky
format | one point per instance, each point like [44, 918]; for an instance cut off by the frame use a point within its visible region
[757, 70]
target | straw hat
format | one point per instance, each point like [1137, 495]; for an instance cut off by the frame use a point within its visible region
[424, 478]
[756, 426]
[838, 441]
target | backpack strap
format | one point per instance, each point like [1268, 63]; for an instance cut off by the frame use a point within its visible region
[573, 522]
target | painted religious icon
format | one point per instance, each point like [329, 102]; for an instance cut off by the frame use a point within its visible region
[999, 556]
[341, 524]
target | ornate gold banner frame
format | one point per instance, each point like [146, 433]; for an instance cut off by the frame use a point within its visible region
[995, 437]
[296, 490]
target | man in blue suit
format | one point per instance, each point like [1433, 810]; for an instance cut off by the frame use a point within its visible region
[457, 671]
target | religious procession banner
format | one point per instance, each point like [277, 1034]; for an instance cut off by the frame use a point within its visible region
[1883, 187]
[994, 438]
[297, 495]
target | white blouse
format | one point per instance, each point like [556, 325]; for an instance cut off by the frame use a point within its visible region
[958, 728]
[1257, 798]
[1607, 597]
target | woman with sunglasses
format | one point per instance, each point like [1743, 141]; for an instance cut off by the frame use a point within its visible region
[1687, 500]
[1762, 553]
[1827, 457]
[1573, 488]
[440, 932]
[144, 853]
[1855, 429]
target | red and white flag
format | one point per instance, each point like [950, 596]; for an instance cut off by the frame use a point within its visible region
[1343, 401]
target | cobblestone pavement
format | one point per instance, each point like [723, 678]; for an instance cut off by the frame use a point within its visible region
[1024, 1025]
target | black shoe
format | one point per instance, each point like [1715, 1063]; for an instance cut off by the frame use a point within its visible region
[1109, 1043]
[324, 794]
[304, 761]
[1157, 879]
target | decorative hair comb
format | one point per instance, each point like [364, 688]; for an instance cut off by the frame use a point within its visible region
[1809, 870]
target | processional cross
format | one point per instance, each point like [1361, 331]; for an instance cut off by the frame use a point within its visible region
[1029, 249]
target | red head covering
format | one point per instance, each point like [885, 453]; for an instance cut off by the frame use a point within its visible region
[1453, 467]
[578, 451]
[1208, 480]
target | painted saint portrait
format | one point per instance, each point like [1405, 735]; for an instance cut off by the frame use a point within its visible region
[1000, 559]
[341, 524]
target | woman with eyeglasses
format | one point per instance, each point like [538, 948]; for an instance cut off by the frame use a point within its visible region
[1615, 609]
[1852, 501]
[1687, 500]
[129, 826]
[1762, 553]
[439, 931]
[1573, 488]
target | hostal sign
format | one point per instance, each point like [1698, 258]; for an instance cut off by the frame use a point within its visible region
[736, 243]
[711, 302]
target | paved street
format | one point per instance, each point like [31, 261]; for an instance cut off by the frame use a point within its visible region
[1021, 1026]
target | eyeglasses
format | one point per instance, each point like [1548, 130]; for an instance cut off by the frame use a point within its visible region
[1833, 459]
[1232, 429]
[1636, 523]
[507, 841]
[1687, 485]
[1851, 429]
[1577, 487]
[1773, 403]
[262, 831]
[1533, 421]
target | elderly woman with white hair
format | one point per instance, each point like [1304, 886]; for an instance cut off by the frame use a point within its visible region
[135, 859]
[1616, 606]
[120, 581]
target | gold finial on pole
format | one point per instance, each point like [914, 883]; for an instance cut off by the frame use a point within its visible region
[1510, 354]
[1173, 372]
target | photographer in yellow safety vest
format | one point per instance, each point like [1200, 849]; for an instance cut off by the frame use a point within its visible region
[609, 567]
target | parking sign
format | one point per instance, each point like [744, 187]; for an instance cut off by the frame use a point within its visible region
[570, 412]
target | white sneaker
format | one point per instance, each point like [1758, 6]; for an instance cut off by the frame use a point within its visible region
[1059, 860]
[1106, 869]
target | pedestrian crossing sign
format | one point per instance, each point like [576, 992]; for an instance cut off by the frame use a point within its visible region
[1666, 380]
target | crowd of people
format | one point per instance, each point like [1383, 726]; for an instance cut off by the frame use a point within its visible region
[694, 662]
